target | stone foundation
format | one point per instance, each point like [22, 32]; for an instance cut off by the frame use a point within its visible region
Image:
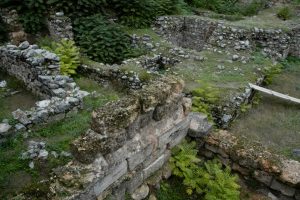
[252, 160]
[197, 33]
[39, 70]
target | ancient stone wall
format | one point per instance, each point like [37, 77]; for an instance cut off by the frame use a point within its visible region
[197, 33]
[252, 160]
[295, 46]
[129, 141]
[39, 70]
[60, 26]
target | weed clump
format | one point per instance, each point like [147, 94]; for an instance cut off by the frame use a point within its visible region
[285, 13]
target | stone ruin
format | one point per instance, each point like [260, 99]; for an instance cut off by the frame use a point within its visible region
[129, 142]
[39, 70]
[196, 33]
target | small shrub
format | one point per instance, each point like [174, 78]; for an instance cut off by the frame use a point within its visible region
[32, 21]
[204, 99]
[285, 13]
[101, 40]
[145, 76]
[270, 72]
[208, 179]
[69, 57]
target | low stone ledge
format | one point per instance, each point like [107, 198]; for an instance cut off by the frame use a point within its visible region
[253, 160]
[39, 70]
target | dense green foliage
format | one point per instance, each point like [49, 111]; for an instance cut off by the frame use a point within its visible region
[78, 7]
[69, 57]
[141, 13]
[204, 98]
[3, 31]
[208, 179]
[232, 7]
[101, 40]
[285, 13]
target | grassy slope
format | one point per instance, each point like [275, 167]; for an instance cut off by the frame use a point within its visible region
[275, 122]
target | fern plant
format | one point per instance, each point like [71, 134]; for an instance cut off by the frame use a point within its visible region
[204, 98]
[208, 179]
[69, 57]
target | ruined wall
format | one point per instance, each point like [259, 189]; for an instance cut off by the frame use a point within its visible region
[198, 34]
[129, 141]
[295, 46]
[252, 160]
[39, 70]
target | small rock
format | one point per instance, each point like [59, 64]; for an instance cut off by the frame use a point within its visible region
[43, 154]
[296, 152]
[272, 196]
[43, 104]
[20, 127]
[4, 127]
[21, 117]
[3, 84]
[31, 165]
[140, 193]
[220, 67]
[59, 14]
[235, 57]
[24, 45]
[65, 154]
[54, 154]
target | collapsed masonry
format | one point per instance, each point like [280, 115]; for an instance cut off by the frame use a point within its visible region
[197, 33]
[129, 141]
[39, 70]
[252, 160]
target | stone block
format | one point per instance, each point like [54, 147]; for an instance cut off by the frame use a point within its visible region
[156, 165]
[284, 189]
[137, 179]
[173, 136]
[140, 156]
[108, 180]
[199, 126]
[263, 177]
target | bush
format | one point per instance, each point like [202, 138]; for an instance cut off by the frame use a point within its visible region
[32, 21]
[78, 7]
[136, 13]
[69, 57]
[209, 179]
[285, 13]
[3, 31]
[141, 13]
[101, 40]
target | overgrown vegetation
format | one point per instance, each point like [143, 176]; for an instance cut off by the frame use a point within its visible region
[204, 98]
[101, 40]
[285, 13]
[207, 179]
[67, 51]
[69, 57]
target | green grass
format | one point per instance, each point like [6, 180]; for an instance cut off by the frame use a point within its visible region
[57, 135]
[275, 122]
[230, 80]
